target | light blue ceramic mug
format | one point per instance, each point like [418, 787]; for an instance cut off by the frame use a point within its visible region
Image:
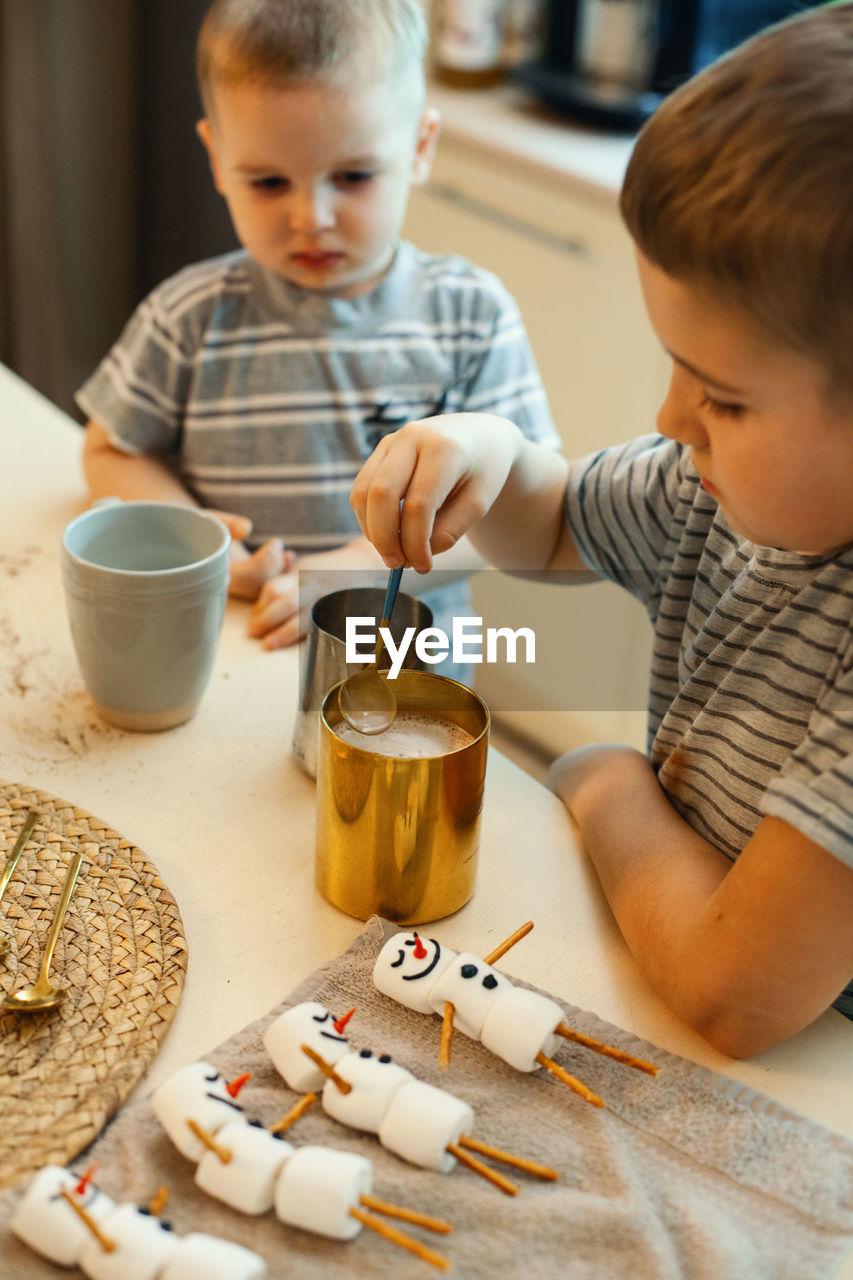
[145, 589]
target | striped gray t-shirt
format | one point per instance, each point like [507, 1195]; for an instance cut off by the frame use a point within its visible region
[751, 687]
[269, 397]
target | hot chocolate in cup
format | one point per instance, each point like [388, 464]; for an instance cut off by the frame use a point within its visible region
[398, 822]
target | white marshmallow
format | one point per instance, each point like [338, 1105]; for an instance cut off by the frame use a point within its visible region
[48, 1224]
[142, 1245]
[196, 1092]
[307, 1023]
[317, 1188]
[247, 1181]
[422, 1122]
[374, 1079]
[201, 1257]
[472, 987]
[404, 976]
[521, 1024]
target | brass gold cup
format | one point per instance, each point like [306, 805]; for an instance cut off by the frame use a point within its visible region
[399, 836]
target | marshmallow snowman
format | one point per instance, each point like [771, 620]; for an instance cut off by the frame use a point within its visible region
[247, 1181]
[202, 1257]
[472, 987]
[374, 1079]
[422, 1122]
[307, 1023]
[318, 1187]
[141, 1246]
[408, 966]
[46, 1222]
[196, 1092]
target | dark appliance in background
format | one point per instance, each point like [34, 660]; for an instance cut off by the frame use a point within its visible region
[610, 62]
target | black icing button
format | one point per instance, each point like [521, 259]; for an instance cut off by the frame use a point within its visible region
[468, 971]
[490, 981]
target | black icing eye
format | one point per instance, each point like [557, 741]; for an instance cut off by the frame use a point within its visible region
[212, 1079]
[410, 942]
[468, 971]
[384, 1057]
[365, 1053]
[320, 1017]
[490, 982]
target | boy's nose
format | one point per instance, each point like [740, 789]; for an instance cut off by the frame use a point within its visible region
[311, 211]
[677, 417]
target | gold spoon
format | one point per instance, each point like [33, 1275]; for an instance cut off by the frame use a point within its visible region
[12, 861]
[42, 994]
[365, 698]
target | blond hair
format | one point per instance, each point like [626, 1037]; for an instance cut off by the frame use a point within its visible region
[277, 42]
[742, 181]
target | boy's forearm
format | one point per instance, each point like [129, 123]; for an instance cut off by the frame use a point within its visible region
[111, 473]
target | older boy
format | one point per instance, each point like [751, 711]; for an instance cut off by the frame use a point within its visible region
[259, 382]
[727, 855]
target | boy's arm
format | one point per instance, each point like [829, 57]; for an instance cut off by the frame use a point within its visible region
[746, 952]
[111, 473]
[465, 473]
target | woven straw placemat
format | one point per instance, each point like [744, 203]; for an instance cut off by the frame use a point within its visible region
[122, 956]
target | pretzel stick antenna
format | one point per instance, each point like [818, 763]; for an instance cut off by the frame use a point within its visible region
[447, 1020]
[209, 1142]
[491, 1175]
[597, 1046]
[543, 1171]
[328, 1071]
[437, 1225]
[106, 1244]
[295, 1113]
[400, 1238]
[571, 1081]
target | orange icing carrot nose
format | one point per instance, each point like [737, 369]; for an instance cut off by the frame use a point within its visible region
[236, 1085]
[85, 1179]
[340, 1023]
[420, 949]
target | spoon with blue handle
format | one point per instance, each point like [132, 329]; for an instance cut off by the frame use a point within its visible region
[366, 699]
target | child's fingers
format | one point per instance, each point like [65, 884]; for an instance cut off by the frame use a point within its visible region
[238, 526]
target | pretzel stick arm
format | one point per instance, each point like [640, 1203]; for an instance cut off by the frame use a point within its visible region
[640, 1064]
[400, 1238]
[491, 1175]
[506, 1157]
[522, 932]
[446, 1036]
[571, 1081]
[328, 1071]
[437, 1225]
[295, 1113]
[107, 1245]
[205, 1138]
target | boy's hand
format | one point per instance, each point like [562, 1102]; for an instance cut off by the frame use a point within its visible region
[251, 570]
[281, 613]
[445, 471]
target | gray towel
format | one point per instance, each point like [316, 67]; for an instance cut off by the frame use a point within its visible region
[687, 1174]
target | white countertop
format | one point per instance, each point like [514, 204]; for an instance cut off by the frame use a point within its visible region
[219, 802]
[512, 125]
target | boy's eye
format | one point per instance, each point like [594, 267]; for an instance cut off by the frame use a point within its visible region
[271, 183]
[720, 408]
[353, 177]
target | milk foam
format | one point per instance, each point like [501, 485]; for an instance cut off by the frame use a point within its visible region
[411, 736]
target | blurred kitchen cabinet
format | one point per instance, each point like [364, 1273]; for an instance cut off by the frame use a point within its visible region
[568, 261]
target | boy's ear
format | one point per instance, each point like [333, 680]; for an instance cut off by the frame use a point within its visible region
[429, 127]
[205, 133]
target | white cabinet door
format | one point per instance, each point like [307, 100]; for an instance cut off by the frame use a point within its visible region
[569, 263]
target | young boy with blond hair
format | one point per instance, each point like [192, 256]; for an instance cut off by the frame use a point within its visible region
[258, 382]
[727, 853]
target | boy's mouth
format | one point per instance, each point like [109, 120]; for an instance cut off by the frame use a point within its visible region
[316, 260]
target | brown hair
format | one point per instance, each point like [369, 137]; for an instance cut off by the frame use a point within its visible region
[276, 42]
[742, 181]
